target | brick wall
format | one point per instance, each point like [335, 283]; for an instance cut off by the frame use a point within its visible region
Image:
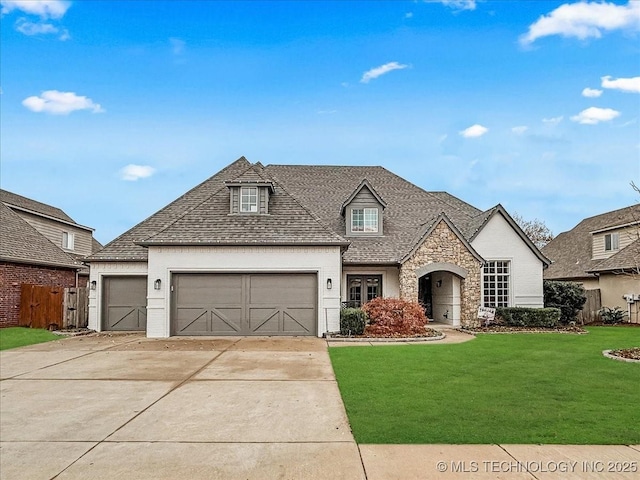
[12, 275]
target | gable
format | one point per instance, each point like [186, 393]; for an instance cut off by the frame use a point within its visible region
[499, 240]
[21, 243]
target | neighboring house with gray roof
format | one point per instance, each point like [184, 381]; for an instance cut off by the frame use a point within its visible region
[39, 244]
[602, 253]
[277, 249]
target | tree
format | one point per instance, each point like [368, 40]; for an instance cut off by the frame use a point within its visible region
[535, 229]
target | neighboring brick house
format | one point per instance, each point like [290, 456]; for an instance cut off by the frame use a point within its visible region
[277, 250]
[41, 245]
[602, 253]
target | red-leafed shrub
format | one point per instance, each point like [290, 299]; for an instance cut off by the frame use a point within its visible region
[392, 316]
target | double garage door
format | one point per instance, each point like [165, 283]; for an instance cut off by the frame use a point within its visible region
[244, 304]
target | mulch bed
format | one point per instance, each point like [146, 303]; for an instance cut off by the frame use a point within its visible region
[629, 353]
[576, 329]
[429, 332]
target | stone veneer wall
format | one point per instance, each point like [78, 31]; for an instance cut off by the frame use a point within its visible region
[444, 246]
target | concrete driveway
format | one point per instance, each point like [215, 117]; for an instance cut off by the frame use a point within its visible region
[124, 406]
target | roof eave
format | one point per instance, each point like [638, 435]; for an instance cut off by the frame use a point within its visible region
[43, 263]
[245, 244]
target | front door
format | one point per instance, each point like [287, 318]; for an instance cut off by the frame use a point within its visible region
[363, 288]
[425, 295]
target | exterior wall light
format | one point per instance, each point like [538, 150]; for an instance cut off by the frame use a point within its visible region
[157, 284]
[93, 285]
[329, 284]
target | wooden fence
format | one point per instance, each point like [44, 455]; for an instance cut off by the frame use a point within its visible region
[591, 310]
[53, 308]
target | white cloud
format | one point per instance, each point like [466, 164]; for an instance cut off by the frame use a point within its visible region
[38, 28]
[459, 4]
[42, 8]
[408, 15]
[60, 103]
[177, 45]
[474, 131]
[132, 172]
[631, 85]
[381, 70]
[553, 120]
[520, 129]
[595, 115]
[591, 92]
[584, 20]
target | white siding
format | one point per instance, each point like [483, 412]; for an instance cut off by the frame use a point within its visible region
[97, 272]
[163, 261]
[498, 241]
[626, 237]
[390, 279]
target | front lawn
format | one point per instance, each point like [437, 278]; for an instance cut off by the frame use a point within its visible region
[519, 388]
[13, 337]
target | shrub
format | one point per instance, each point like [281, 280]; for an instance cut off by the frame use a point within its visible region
[612, 316]
[352, 321]
[392, 316]
[569, 297]
[528, 317]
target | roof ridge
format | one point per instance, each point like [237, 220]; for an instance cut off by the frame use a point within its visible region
[139, 224]
[190, 209]
[430, 194]
[25, 224]
[311, 214]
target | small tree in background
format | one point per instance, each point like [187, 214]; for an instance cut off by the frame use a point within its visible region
[535, 229]
[569, 297]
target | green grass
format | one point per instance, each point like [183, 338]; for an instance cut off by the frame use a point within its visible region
[522, 388]
[14, 337]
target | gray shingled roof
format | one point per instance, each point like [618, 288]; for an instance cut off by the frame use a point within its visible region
[571, 251]
[209, 223]
[29, 204]
[125, 247]
[627, 259]
[305, 209]
[21, 243]
[323, 189]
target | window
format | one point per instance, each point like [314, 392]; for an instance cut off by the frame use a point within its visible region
[249, 199]
[611, 242]
[362, 288]
[364, 220]
[68, 240]
[495, 283]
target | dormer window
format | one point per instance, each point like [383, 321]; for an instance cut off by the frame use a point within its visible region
[611, 242]
[249, 200]
[363, 211]
[364, 220]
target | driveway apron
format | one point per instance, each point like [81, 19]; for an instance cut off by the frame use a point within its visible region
[124, 406]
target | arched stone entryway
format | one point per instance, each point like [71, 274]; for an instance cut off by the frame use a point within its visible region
[439, 287]
[443, 255]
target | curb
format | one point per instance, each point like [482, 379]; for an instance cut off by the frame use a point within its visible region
[329, 338]
[607, 353]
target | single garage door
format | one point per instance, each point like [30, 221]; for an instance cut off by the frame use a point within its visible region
[244, 304]
[125, 303]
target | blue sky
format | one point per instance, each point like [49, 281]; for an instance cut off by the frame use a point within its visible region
[110, 110]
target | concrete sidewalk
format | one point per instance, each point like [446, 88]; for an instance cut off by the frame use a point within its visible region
[543, 462]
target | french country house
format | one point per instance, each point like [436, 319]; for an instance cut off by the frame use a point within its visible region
[278, 249]
[602, 253]
[39, 245]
